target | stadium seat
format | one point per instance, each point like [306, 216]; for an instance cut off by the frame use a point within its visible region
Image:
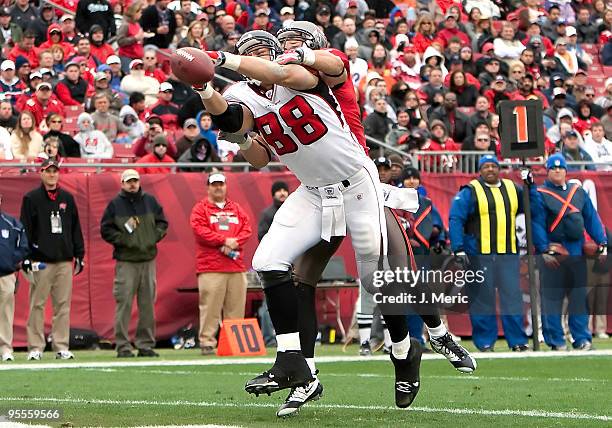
[73, 111]
[70, 125]
[590, 48]
[123, 151]
[467, 110]
[597, 81]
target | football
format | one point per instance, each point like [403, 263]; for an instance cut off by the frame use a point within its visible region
[192, 66]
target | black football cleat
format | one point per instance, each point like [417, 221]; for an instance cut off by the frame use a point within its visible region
[456, 354]
[290, 370]
[300, 396]
[407, 379]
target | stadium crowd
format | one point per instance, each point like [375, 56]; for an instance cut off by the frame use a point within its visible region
[91, 79]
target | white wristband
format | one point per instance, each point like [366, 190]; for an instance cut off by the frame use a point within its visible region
[248, 142]
[309, 56]
[232, 62]
[207, 93]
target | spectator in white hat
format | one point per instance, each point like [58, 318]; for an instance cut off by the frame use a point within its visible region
[136, 81]
[165, 108]
[10, 85]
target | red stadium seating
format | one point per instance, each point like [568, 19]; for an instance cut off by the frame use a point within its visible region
[73, 111]
[70, 125]
[123, 152]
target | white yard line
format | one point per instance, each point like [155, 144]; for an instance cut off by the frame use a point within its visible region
[458, 376]
[204, 404]
[221, 361]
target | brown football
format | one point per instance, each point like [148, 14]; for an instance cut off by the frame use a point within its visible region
[590, 249]
[192, 66]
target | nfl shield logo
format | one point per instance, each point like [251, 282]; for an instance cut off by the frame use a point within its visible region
[5, 233]
[329, 190]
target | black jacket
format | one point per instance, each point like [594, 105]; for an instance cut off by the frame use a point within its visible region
[190, 154]
[14, 246]
[141, 244]
[36, 209]
[458, 130]
[265, 221]
[90, 12]
[150, 20]
[377, 125]
[69, 148]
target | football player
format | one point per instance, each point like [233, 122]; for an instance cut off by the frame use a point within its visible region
[304, 43]
[301, 122]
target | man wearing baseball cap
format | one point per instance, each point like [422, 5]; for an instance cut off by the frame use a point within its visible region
[221, 228]
[165, 108]
[133, 223]
[572, 151]
[11, 32]
[566, 212]
[42, 104]
[10, 85]
[483, 238]
[51, 220]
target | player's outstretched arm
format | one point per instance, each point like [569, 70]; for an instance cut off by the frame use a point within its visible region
[331, 66]
[291, 76]
[252, 148]
[227, 117]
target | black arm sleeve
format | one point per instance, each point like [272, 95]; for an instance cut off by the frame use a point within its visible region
[231, 119]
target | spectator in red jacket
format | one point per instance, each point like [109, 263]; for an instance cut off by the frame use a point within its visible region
[73, 89]
[42, 104]
[221, 228]
[150, 66]
[55, 37]
[498, 92]
[25, 48]
[165, 108]
[158, 155]
[425, 31]
[144, 145]
[451, 30]
[98, 47]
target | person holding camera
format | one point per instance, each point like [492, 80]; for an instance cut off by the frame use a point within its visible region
[13, 251]
[133, 223]
[51, 221]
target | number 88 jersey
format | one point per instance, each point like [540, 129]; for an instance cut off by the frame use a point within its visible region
[306, 129]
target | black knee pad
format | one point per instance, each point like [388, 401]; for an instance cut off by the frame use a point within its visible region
[274, 278]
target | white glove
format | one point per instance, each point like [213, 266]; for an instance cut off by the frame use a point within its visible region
[244, 141]
[302, 55]
[526, 175]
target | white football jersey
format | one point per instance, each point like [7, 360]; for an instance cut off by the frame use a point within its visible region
[306, 130]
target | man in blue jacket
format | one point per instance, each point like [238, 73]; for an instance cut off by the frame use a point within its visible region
[13, 250]
[567, 213]
[482, 229]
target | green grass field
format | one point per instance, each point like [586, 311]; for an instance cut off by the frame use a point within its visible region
[179, 389]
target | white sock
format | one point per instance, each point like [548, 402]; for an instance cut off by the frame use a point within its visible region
[364, 334]
[387, 337]
[288, 342]
[400, 349]
[311, 364]
[438, 331]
